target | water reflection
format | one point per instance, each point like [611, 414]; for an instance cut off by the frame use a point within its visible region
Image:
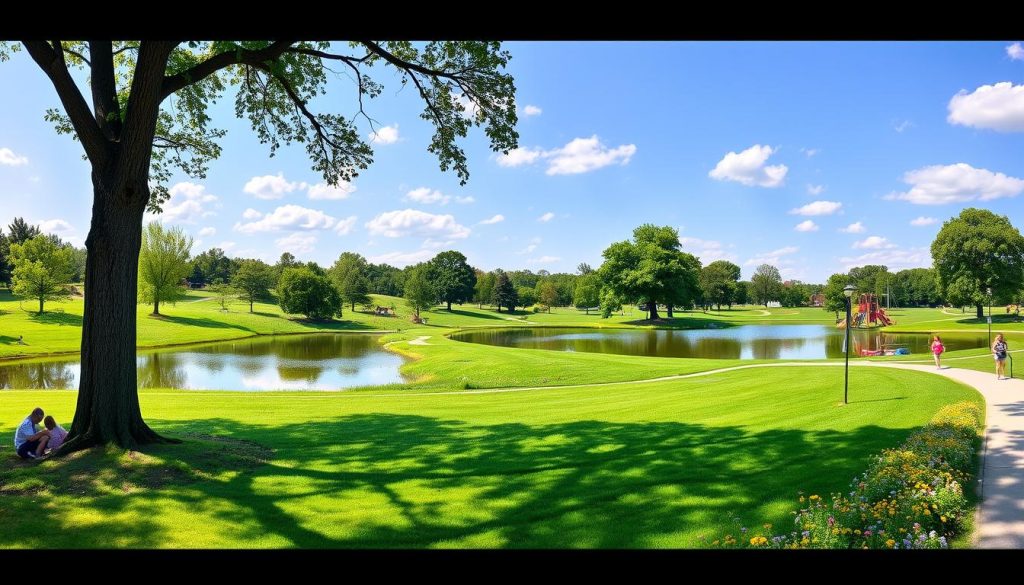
[294, 362]
[746, 342]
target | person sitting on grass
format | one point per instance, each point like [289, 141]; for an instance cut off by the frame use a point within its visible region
[57, 433]
[28, 442]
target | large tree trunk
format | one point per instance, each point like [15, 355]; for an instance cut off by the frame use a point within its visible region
[108, 399]
[981, 310]
[669, 309]
[652, 306]
[156, 307]
[41, 305]
[449, 306]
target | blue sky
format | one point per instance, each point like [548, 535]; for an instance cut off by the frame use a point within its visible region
[815, 157]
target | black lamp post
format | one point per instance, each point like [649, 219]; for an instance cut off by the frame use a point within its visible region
[989, 291]
[848, 292]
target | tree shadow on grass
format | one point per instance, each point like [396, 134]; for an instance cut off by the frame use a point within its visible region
[470, 314]
[199, 322]
[56, 318]
[334, 325]
[683, 323]
[395, 480]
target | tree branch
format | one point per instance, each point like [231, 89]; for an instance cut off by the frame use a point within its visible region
[51, 60]
[301, 106]
[79, 55]
[407, 65]
[219, 61]
[104, 89]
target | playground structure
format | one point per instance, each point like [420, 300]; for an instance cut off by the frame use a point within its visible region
[869, 313]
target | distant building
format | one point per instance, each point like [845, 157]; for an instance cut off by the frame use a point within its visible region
[818, 300]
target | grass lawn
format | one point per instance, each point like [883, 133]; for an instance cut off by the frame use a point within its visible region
[658, 464]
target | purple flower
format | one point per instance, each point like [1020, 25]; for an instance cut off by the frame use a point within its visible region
[867, 533]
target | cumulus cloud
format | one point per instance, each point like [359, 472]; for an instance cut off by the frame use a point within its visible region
[464, 200]
[815, 189]
[333, 192]
[288, 218]
[895, 259]
[817, 208]
[251, 213]
[412, 222]
[923, 221]
[707, 250]
[534, 242]
[1015, 52]
[546, 217]
[385, 135]
[271, 186]
[774, 257]
[207, 232]
[402, 259]
[806, 226]
[55, 226]
[580, 155]
[297, 243]
[189, 203]
[873, 243]
[854, 228]
[494, 219]
[530, 110]
[998, 107]
[937, 185]
[344, 226]
[749, 168]
[7, 157]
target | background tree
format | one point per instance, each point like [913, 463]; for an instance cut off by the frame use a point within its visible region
[347, 262]
[302, 291]
[78, 261]
[385, 279]
[5, 259]
[718, 282]
[584, 269]
[835, 298]
[588, 292]
[134, 143]
[976, 250]
[287, 260]
[418, 290]
[19, 231]
[916, 287]
[547, 293]
[163, 263]
[42, 269]
[505, 294]
[452, 277]
[253, 281]
[483, 290]
[355, 289]
[766, 284]
[526, 295]
[870, 278]
[650, 267]
[213, 267]
[610, 302]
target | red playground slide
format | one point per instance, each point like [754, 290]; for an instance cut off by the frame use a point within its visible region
[883, 317]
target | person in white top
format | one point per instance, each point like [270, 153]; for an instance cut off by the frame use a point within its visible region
[28, 442]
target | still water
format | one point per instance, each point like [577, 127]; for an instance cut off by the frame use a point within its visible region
[289, 362]
[744, 342]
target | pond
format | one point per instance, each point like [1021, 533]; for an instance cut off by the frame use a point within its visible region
[744, 342]
[290, 362]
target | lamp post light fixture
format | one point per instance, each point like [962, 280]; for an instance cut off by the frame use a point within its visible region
[989, 291]
[848, 292]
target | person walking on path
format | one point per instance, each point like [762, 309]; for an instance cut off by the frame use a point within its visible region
[937, 349]
[999, 349]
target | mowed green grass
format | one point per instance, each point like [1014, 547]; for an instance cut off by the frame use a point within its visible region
[664, 464]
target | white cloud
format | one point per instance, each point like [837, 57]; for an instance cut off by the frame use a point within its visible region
[936, 185]
[854, 228]
[431, 244]
[817, 208]
[55, 226]
[188, 204]
[412, 222]
[7, 157]
[895, 259]
[427, 195]
[534, 242]
[748, 168]
[806, 226]
[344, 226]
[324, 191]
[580, 155]
[226, 246]
[1015, 52]
[385, 135]
[207, 232]
[288, 217]
[998, 107]
[271, 186]
[530, 110]
[402, 259]
[297, 243]
[707, 250]
[544, 260]
[873, 243]
[546, 217]
[923, 221]
[464, 200]
[493, 220]
[901, 126]
[774, 257]
[815, 189]
[251, 213]
[810, 151]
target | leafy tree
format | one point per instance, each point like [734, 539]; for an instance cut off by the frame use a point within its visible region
[78, 260]
[793, 293]
[222, 294]
[766, 284]
[385, 279]
[19, 231]
[718, 282]
[213, 267]
[42, 269]
[483, 291]
[135, 141]
[287, 260]
[5, 257]
[742, 293]
[253, 281]
[527, 296]
[916, 287]
[355, 289]
[453, 279]
[835, 299]
[584, 269]
[610, 302]
[651, 267]
[418, 290]
[588, 292]
[302, 291]
[975, 251]
[163, 263]
[505, 294]
[870, 278]
[547, 293]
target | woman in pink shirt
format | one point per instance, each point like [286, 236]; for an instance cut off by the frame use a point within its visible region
[57, 433]
[937, 349]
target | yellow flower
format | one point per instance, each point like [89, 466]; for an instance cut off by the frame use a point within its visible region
[857, 532]
[890, 543]
[943, 518]
[927, 512]
[814, 497]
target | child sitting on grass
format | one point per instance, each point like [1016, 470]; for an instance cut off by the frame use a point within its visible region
[57, 433]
